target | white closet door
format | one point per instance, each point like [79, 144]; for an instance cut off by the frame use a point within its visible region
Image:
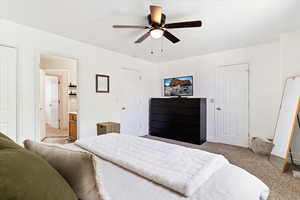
[132, 108]
[8, 104]
[232, 105]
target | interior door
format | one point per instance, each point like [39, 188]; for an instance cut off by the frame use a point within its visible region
[232, 105]
[52, 101]
[8, 116]
[131, 103]
[42, 106]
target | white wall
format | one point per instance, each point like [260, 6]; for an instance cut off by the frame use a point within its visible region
[93, 107]
[289, 54]
[265, 88]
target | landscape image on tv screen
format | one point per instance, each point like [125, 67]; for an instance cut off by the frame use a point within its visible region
[180, 86]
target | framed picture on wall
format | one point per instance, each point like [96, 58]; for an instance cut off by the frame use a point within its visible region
[102, 83]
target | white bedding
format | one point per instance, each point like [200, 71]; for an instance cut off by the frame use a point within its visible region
[229, 183]
[181, 169]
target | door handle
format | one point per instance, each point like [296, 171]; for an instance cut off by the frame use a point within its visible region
[218, 109]
[123, 108]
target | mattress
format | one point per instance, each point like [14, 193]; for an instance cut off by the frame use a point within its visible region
[228, 183]
[178, 168]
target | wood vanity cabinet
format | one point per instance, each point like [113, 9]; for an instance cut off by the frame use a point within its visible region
[73, 126]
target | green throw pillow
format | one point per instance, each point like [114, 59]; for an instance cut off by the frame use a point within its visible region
[26, 176]
[2, 136]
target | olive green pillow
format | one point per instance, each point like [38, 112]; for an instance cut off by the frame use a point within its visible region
[2, 136]
[26, 176]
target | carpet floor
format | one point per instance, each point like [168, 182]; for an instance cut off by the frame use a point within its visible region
[55, 132]
[282, 186]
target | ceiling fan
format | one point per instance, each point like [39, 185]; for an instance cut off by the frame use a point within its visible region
[158, 28]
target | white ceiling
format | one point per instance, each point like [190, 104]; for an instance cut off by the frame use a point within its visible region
[227, 24]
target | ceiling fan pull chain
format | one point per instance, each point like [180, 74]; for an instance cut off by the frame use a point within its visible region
[151, 52]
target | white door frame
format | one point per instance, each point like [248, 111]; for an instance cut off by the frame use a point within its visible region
[37, 117]
[18, 75]
[216, 139]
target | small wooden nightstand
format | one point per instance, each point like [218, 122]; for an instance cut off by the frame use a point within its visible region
[108, 127]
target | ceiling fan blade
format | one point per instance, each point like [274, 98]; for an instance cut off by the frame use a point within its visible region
[190, 24]
[141, 39]
[129, 26]
[156, 13]
[171, 37]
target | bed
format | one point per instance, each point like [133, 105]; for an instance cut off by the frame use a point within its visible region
[121, 183]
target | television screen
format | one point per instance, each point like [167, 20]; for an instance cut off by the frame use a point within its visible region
[180, 86]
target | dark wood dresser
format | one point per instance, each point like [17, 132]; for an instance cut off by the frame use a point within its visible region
[182, 119]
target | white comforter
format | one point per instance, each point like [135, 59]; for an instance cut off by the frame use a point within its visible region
[181, 169]
[228, 183]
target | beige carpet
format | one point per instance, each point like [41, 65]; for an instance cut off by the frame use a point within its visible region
[54, 132]
[282, 186]
[56, 136]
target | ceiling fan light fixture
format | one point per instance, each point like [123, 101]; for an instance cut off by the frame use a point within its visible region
[157, 27]
[157, 33]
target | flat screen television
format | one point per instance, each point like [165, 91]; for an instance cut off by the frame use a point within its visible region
[179, 86]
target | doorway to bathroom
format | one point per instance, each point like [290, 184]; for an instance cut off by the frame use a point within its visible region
[58, 99]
